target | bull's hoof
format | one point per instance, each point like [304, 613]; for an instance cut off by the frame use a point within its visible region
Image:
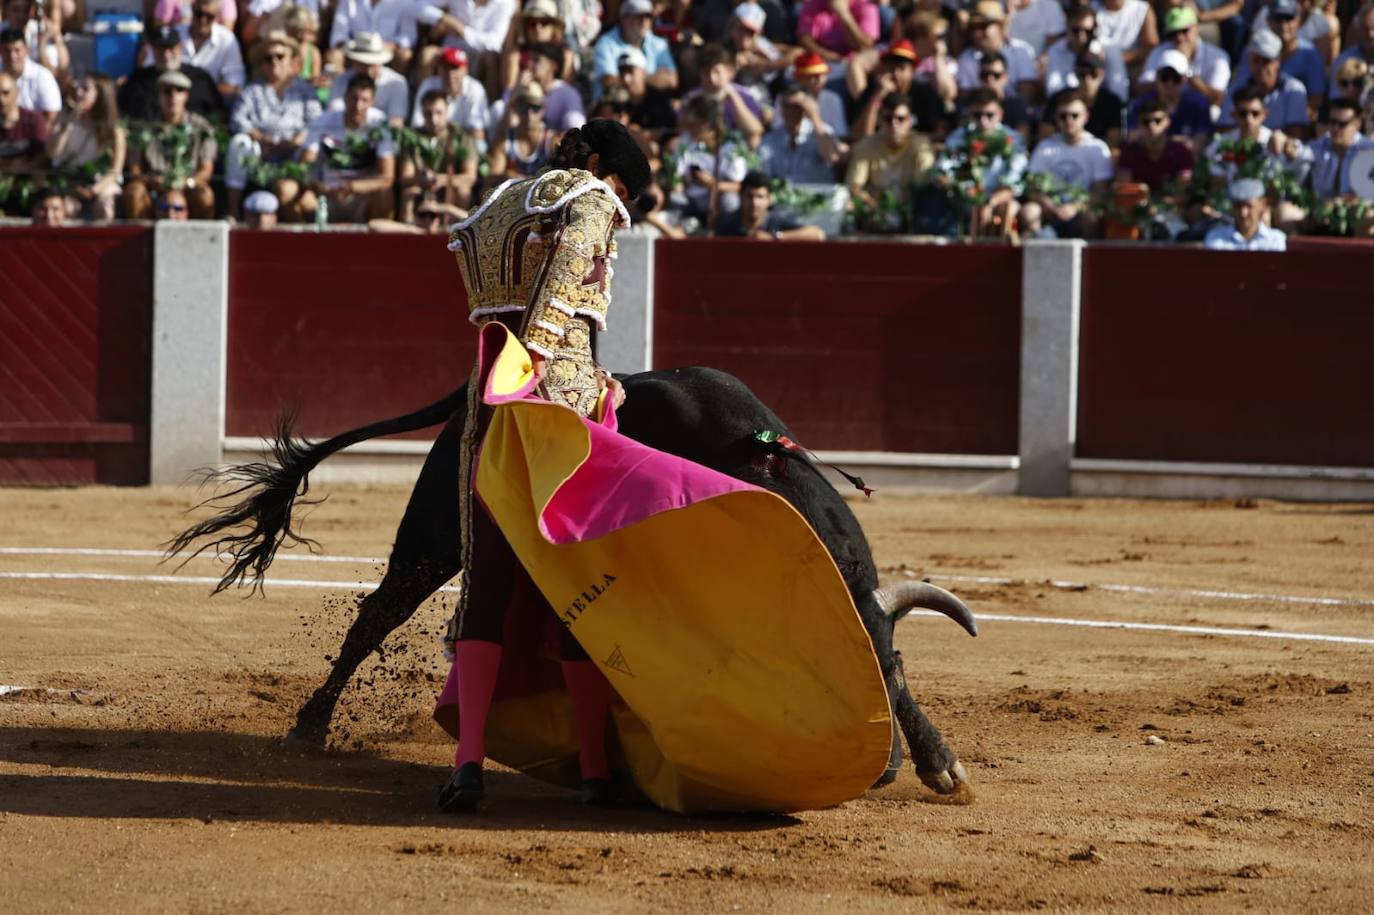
[306, 737]
[464, 791]
[947, 781]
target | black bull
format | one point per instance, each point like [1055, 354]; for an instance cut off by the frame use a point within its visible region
[701, 414]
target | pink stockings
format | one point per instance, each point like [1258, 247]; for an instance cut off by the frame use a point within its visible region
[475, 667]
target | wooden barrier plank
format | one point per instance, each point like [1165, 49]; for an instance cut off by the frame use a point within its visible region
[1241, 358]
[873, 346]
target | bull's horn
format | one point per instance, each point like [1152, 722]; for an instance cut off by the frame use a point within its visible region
[901, 597]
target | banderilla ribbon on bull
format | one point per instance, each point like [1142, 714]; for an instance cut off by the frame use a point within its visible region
[779, 444]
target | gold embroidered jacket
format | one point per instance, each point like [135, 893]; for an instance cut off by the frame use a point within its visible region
[537, 252]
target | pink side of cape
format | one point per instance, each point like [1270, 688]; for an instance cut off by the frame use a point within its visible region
[621, 482]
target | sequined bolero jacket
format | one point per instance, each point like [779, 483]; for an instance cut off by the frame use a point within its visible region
[536, 256]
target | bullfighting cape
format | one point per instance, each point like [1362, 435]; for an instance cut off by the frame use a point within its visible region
[744, 676]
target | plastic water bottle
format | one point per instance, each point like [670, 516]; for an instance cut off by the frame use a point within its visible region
[322, 214]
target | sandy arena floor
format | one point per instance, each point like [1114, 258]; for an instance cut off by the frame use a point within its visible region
[145, 772]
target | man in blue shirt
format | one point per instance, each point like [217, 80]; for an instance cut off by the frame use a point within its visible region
[802, 148]
[634, 31]
[1333, 154]
[1248, 232]
[1298, 59]
[1284, 97]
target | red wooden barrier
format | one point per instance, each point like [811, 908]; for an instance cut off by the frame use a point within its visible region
[1240, 358]
[885, 347]
[345, 328]
[75, 355]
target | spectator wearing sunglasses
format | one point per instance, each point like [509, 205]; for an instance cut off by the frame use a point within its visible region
[1002, 175]
[1129, 26]
[1352, 82]
[896, 74]
[1189, 113]
[1154, 156]
[213, 48]
[648, 108]
[1279, 150]
[986, 31]
[354, 158]
[139, 98]
[1072, 156]
[270, 120]
[993, 75]
[1209, 66]
[1297, 57]
[893, 159]
[1081, 38]
[176, 157]
[1285, 98]
[1333, 154]
[1105, 107]
[523, 143]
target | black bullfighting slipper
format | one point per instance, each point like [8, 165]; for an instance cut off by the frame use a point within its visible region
[599, 792]
[463, 793]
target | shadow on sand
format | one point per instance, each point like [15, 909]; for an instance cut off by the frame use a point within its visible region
[218, 775]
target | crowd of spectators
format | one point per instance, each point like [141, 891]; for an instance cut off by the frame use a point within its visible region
[1233, 121]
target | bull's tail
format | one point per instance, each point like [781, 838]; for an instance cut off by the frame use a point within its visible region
[254, 517]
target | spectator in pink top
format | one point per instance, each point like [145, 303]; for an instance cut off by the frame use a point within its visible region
[836, 29]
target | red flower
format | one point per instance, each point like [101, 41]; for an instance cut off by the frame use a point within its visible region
[977, 147]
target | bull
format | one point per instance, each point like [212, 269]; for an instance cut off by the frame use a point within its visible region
[701, 414]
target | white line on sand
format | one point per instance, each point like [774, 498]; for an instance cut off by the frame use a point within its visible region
[994, 617]
[965, 579]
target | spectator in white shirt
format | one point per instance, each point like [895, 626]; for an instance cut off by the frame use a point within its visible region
[478, 27]
[467, 100]
[393, 20]
[1081, 38]
[1211, 68]
[355, 157]
[1129, 26]
[1036, 22]
[368, 54]
[37, 87]
[1248, 231]
[1072, 157]
[213, 48]
[986, 35]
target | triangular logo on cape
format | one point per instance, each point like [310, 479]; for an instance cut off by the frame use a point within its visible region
[617, 662]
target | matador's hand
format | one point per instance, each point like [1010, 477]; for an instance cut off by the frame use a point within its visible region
[616, 389]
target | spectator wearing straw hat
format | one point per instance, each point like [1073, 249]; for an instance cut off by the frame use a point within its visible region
[538, 22]
[393, 21]
[1284, 97]
[271, 118]
[467, 100]
[1247, 230]
[1209, 66]
[368, 54]
[987, 34]
[896, 73]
